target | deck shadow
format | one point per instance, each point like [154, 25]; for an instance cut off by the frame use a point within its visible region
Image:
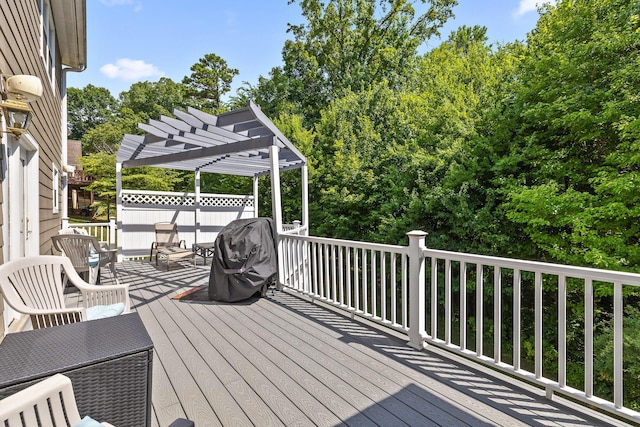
[521, 403]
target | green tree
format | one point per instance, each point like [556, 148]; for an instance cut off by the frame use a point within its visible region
[463, 86]
[210, 79]
[143, 101]
[89, 107]
[348, 45]
[150, 100]
[576, 127]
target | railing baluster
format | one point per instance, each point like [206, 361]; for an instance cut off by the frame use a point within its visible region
[447, 301]
[374, 285]
[497, 314]
[588, 337]
[365, 283]
[314, 267]
[618, 322]
[562, 330]
[334, 280]
[405, 292]
[479, 310]
[434, 297]
[517, 307]
[394, 288]
[383, 285]
[348, 250]
[463, 305]
[301, 263]
[356, 277]
[538, 325]
[341, 273]
[326, 278]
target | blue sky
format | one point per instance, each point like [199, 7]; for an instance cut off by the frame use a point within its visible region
[138, 40]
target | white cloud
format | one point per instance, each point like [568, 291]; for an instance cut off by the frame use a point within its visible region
[130, 69]
[137, 4]
[527, 6]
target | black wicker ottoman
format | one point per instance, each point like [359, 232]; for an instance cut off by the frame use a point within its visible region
[108, 361]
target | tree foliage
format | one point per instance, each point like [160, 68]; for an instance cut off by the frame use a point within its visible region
[88, 108]
[209, 81]
[348, 45]
[575, 121]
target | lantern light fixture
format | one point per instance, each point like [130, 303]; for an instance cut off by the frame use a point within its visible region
[16, 92]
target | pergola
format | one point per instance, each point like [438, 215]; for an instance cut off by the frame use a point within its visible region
[242, 142]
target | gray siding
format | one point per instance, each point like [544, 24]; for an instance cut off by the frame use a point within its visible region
[20, 54]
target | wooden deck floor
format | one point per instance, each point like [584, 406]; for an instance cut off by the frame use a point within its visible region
[282, 360]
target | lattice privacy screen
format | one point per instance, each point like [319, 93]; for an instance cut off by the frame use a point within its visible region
[136, 199]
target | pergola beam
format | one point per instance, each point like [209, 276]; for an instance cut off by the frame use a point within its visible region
[232, 147]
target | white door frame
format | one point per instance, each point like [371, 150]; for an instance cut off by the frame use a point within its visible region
[20, 174]
[23, 197]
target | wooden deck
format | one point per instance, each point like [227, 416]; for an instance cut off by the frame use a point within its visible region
[282, 360]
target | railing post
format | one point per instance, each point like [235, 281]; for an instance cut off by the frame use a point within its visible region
[112, 232]
[417, 309]
[296, 226]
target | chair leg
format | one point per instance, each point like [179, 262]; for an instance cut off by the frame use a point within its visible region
[112, 267]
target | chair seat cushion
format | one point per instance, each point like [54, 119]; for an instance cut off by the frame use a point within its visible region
[88, 422]
[102, 311]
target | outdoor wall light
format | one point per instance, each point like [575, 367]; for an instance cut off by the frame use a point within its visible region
[16, 92]
[17, 115]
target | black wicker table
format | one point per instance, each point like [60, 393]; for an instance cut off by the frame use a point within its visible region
[109, 362]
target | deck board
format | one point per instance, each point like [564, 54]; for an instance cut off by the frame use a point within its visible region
[282, 360]
[349, 384]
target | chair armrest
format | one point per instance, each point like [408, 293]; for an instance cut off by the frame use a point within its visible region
[51, 311]
[109, 254]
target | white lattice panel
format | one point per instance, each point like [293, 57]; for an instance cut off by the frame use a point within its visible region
[169, 199]
[226, 202]
[172, 199]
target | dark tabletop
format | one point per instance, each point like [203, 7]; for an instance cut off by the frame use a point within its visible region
[43, 352]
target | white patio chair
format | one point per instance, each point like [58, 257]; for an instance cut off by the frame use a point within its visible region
[34, 286]
[77, 247]
[50, 402]
[169, 245]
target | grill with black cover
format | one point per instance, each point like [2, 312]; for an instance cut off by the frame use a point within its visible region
[244, 261]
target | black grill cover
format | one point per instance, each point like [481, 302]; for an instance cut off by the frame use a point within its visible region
[245, 260]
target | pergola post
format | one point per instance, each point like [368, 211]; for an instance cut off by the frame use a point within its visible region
[305, 198]
[255, 196]
[276, 205]
[119, 208]
[196, 180]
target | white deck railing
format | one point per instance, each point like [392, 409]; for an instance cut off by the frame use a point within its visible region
[413, 290]
[104, 231]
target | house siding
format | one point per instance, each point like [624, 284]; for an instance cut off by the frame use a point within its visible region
[20, 54]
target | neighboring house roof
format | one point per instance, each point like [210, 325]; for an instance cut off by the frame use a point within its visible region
[74, 152]
[72, 36]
